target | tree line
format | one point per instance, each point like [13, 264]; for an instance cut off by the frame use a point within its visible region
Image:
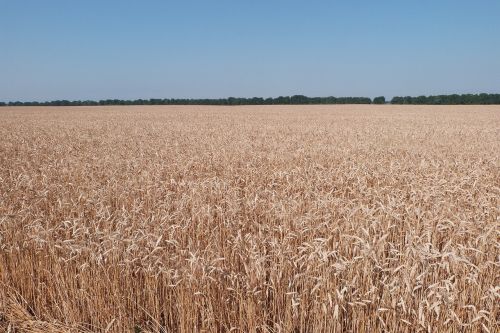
[455, 99]
[295, 99]
[281, 100]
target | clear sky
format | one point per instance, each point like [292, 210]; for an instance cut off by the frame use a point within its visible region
[92, 49]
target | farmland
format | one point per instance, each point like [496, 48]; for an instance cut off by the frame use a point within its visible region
[252, 218]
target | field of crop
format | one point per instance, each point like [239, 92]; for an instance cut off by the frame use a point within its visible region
[250, 219]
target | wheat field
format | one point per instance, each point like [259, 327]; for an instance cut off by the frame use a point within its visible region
[250, 219]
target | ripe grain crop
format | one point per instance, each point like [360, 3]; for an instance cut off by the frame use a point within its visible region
[250, 219]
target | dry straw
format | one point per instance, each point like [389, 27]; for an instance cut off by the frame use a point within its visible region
[250, 219]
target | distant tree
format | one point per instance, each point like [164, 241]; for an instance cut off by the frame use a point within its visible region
[155, 101]
[257, 101]
[379, 100]
[420, 100]
[282, 100]
[298, 99]
[397, 100]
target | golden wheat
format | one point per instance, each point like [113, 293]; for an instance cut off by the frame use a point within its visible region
[250, 219]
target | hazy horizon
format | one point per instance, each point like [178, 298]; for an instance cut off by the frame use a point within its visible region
[129, 50]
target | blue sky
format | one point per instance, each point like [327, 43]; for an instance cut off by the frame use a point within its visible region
[208, 49]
